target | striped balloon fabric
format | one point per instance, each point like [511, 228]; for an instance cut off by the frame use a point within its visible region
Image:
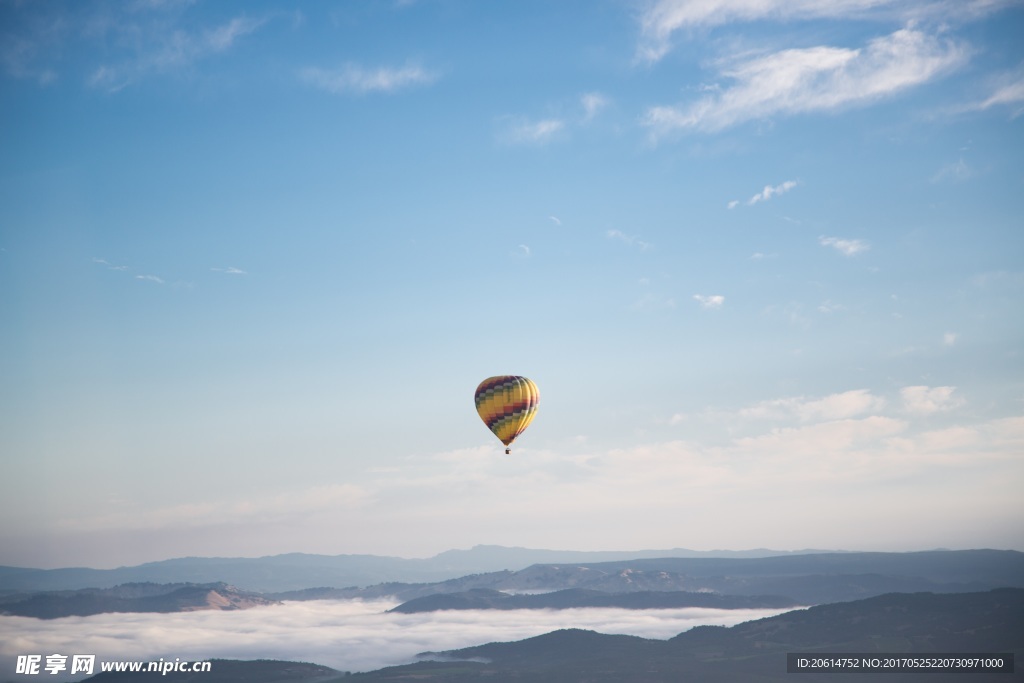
[507, 404]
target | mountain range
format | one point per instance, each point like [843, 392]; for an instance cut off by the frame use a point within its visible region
[295, 571]
[640, 583]
[131, 597]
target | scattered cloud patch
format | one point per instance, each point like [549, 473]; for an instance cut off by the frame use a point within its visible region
[1007, 91]
[631, 240]
[110, 266]
[733, 204]
[592, 104]
[661, 19]
[829, 306]
[847, 247]
[524, 250]
[768, 192]
[356, 79]
[150, 278]
[816, 79]
[949, 338]
[924, 400]
[955, 172]
[164, 51]
[555, 220]
[847, 404]
[712, 301]
[230, 270]
[524, 132]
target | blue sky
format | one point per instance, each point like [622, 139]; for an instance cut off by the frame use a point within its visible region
[763, 260]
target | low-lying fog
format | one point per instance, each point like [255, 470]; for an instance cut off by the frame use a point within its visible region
[345, 635]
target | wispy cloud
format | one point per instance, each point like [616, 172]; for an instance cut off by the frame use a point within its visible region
[832, 407]
[767, 193]
[661, 19]
[816, 79]
[230, 270]
[631, 240]
[524, 250]
[518, 131]
[954, 172]
[150, 278]
[555, 220]
[949, 338]
[847, 247]
[709, 301]
[593, 103]
[166, 51]
[357, 79]
[1006, 90]
[110, 266]
[924, 400]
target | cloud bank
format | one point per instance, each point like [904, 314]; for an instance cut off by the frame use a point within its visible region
[345, 635]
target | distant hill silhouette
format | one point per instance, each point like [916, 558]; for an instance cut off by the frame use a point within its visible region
[792, 579]
[296, 571]
[483, 598]
[992, 621]
[804, 579]
[232, 671]
[131, 597]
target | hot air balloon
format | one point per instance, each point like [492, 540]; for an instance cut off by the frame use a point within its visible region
[507, 404]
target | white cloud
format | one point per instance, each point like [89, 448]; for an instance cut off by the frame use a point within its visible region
[828, 306]
[555, 220]
[110, 266]
[957, 171]
[662, 18]
[710, 302]
[166, 50]
[832, 407]
[524, 132]
[733, 204]
[230, 270]
[592, 103]
[949, 338]
[631, 240]
[150, 278]
[524, 250]
[768, 192]
[924, 400]
[1008, 90]
[845, 246]
[815, 79]
[358, 79]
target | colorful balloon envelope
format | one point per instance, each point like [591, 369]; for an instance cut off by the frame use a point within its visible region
[507, 404]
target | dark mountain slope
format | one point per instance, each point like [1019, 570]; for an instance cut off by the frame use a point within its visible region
[132, 597]
[482, 598]
[754, 651]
